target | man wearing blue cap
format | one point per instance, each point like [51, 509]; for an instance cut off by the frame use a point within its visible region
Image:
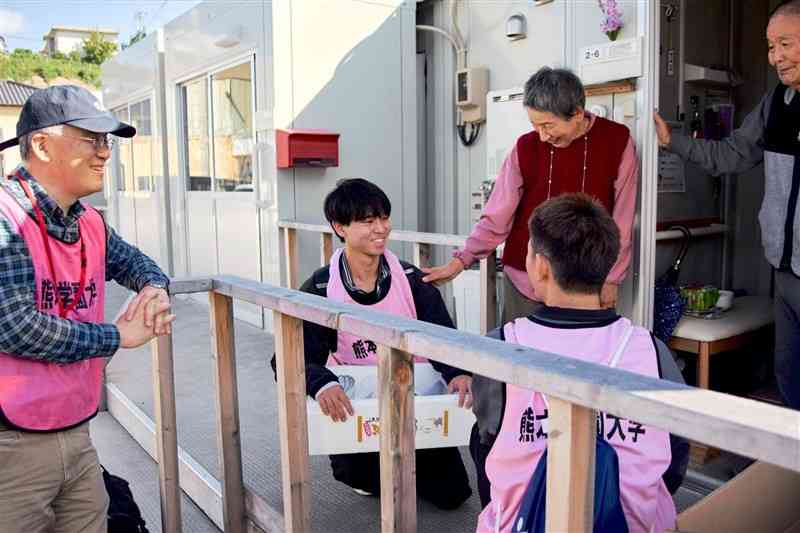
[55, 256]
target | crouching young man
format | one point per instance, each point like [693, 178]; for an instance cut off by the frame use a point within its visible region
[366, 273]
[573, 245]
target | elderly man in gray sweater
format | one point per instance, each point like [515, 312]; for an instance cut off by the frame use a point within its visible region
[770, 133]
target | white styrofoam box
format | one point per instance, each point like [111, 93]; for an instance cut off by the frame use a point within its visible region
[360, 382]
[608, 61]
[440, 422]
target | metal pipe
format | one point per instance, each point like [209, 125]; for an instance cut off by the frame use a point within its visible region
[162, 122]
[440, 31]
[681, 55]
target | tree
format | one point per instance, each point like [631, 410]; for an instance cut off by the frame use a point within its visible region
[135, 38]
[96, 49]
[21, 52]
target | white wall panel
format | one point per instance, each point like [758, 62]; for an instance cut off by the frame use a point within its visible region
[239, 247]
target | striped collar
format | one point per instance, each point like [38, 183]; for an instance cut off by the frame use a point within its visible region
[384, 273]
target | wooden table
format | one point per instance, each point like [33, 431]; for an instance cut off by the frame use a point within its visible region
[732, 330]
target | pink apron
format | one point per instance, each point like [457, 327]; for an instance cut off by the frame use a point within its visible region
[643, 451]
[45, 396]
[353, 350]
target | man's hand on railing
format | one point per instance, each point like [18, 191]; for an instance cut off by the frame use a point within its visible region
[442, 274]
[154, 315]
[335, 403]
[462, 385]
[135, 331]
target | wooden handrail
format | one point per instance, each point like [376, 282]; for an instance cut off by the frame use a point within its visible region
[703, 415]
[577, 390]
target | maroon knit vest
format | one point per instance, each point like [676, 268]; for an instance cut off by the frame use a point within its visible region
[607, 141]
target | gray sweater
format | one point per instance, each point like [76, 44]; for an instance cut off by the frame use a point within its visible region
[770, 134]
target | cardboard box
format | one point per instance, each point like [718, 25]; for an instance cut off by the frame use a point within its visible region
[440, 421]
[761, 499]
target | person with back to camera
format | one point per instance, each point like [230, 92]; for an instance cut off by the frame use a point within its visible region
[572, 246]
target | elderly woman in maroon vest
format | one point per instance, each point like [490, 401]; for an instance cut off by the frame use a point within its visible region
[570, 150]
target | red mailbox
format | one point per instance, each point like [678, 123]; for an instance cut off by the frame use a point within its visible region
[307, 148]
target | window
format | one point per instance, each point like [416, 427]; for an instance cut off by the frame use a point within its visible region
[142, 146]
[218, 130]
[195, 102]
[124, 154]
[136, 154]
[232, 107]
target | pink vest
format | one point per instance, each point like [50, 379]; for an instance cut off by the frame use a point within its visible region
[352, 350]
[643, 451]
[44, 396]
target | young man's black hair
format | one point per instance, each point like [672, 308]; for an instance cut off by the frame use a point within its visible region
[580, 239]
[355, 199]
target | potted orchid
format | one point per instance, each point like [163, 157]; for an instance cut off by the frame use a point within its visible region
[612, 22]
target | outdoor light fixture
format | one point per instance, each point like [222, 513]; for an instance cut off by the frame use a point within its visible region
[516, 27]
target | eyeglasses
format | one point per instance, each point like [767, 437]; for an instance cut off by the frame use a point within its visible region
[104, 141]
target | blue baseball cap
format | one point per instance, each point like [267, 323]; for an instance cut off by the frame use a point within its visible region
[67, 104]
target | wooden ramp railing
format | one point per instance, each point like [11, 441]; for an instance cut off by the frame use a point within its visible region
[422, 246]
[577, 390]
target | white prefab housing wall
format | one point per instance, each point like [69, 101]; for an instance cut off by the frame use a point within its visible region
[230, 78]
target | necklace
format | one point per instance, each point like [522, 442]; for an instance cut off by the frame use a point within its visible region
[585, 156]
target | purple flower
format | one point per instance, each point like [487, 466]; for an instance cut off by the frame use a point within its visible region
[612, 21]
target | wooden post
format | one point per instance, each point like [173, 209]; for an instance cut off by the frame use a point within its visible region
[166, 433]
[570, 467]
[325, 247]
[228, 438]
[290, 244]
[488, 293]
[703, 365]
[292, 422]
[422, 254]
[397, 436]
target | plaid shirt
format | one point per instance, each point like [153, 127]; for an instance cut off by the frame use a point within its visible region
[24, 330]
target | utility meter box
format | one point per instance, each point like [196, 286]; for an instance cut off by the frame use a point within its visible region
[472, 84]
[306, 148]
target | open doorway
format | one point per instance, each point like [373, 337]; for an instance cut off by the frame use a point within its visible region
[713, 72]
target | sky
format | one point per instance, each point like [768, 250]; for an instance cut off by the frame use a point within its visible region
[23, 23]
